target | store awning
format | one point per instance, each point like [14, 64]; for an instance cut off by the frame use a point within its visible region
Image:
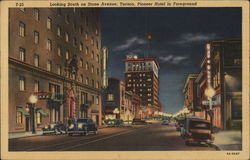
[42, 113]
[20, 109]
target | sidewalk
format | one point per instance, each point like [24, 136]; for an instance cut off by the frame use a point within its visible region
[228, 140]
[24, 134]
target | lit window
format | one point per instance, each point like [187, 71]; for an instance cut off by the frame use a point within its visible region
[59, 69]
[97, 84]
[86, 35]
[92, 40]
[36, 60]
[110, 97]
[149, 100]
[97, 58]
[19, 117]
[81, 63]
[38, 118]
[97, 100]
[36, 37]
[96, 31]
[92, 69]
[49, 21]
[74, 76]
[149, 79]
[92, 55]
[67, 37]
[49, 65]
[59, 50]
[21, 29]
[36, 86]
[22, 54]
[59, 31]
[67, 55]
[36, 14]
[81, 46]
[49, 44]
[129, 75]
[21, 83]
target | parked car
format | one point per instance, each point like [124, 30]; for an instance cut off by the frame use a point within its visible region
[137, 121]
[54, 128]
[197, 130]
[82, 126]
[165, 122]
[114, 123]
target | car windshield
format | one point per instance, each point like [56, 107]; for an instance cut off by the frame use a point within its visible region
[82, 120]
[199, 125]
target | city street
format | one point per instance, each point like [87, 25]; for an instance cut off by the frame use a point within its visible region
[153, 137]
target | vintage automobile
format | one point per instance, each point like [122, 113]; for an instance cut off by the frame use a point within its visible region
[114, 123]
[165, 122]
[137, 121]
[54, 128]
[197, 130]
[82, 126]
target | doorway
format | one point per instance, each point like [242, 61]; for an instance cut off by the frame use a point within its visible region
[27, 124]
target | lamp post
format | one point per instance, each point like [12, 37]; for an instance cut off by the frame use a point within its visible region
[116, 112]
[210, 92]
[31, 108]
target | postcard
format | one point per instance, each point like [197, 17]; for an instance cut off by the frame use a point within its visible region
[125, 79]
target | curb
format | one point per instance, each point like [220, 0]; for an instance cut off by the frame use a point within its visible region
[215, 147]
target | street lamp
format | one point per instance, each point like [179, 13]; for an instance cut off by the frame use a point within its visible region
[31, 108]
[210, 92]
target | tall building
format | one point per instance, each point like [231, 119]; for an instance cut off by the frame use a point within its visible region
[55, 54]
[141, 78]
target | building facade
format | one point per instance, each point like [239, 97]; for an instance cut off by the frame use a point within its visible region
[55, 54]
[222, 68]
[141, 78]
[189, 91]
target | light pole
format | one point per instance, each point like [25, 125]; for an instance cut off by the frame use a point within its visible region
[31, 108]
[210, 92]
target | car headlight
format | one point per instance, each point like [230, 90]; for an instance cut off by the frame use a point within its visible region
[71, 126]
[80, 125]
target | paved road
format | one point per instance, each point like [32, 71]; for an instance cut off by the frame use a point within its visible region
[154, 137]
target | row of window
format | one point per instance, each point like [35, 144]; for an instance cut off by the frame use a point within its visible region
[49, 42]
[49, 62]
[19, 117]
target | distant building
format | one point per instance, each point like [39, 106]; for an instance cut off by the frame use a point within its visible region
[189, 91]
[222, 68]
[141, 78]
[54, 51]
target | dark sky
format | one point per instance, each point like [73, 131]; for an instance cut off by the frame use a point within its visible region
[179, 35]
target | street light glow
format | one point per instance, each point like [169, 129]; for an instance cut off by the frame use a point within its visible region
[33, 99]
[209, 92]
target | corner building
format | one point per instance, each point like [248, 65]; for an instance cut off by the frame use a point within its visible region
[141, 77]
[54, 51]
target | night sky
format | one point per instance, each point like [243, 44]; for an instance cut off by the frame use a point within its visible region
[179, 35]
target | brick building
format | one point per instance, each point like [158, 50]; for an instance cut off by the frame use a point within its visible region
[57, 52]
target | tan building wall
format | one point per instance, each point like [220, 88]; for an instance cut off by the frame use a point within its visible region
[84, 27]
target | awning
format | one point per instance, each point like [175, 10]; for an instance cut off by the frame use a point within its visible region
[42, 112]
[20, 109]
